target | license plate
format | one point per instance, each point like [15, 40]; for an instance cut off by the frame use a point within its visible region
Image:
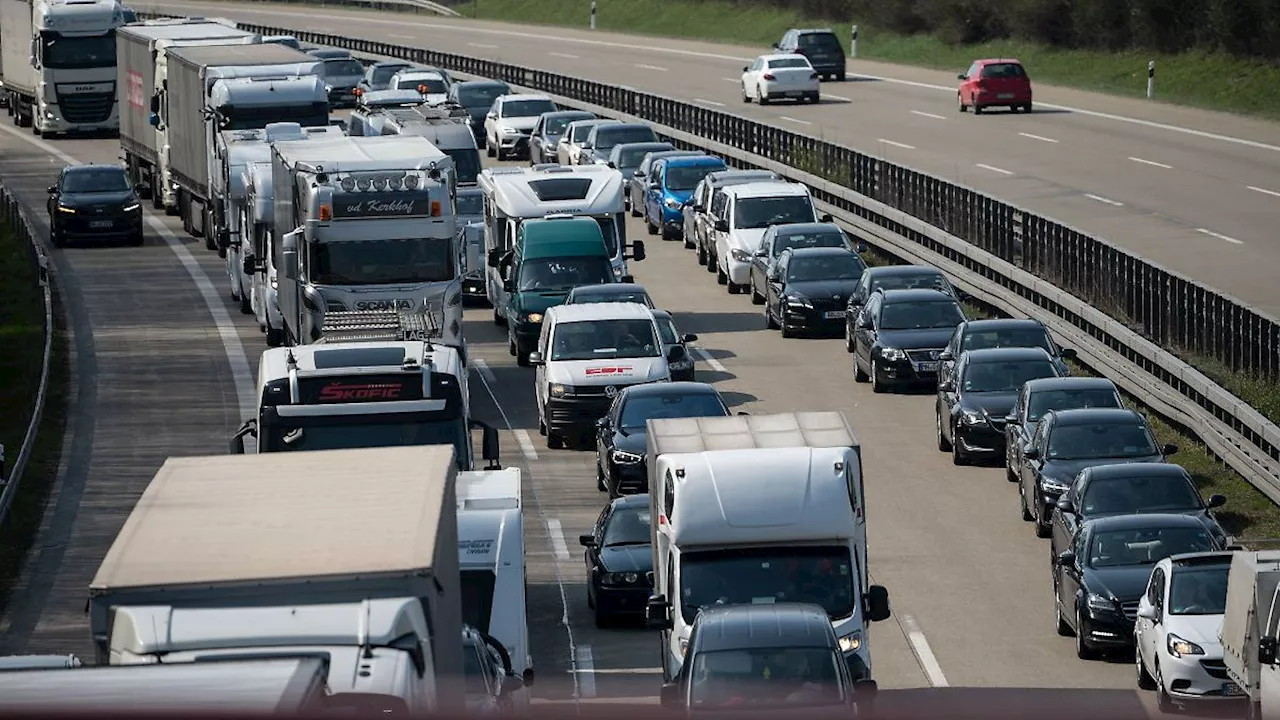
[927, 367]
[1005, 96]
[100, 223]
[833, 314]
[1231, 689]
[794, 93]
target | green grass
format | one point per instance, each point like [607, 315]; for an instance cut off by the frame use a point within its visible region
[1212, 81]
[22, 340]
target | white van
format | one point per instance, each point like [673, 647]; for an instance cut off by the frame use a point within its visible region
[747, 212]
[586, 355]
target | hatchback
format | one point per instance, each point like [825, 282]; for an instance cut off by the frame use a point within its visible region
[994, 83]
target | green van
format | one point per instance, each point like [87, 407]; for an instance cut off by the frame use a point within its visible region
[551, 256]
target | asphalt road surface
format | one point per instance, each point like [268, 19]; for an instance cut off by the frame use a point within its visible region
[1195, 191]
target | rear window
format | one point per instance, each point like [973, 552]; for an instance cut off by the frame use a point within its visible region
[1003, 70]
[796, 62]
[819, 40]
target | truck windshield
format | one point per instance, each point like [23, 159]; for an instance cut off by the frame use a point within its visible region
[605, 340]
[797, 676]
[367, 431]
[820, 575]
[563, 274]
[466, 163]
[477, 598]
[73, 53]
[381, 262]
[256, 118]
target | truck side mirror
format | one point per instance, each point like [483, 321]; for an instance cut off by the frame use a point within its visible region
[289, 255]
[878, 603]
[637, 250]
[656, 613]
[494, 258]
[250, 427]
[509, 285]
[154, 119]
[670, 694]
[489, 447]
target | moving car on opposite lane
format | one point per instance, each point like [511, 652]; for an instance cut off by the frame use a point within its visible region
[778, 77]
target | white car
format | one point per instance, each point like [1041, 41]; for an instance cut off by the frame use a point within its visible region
[780, 77]
[748, 212]
[1176, 634]
[569, 149]
[433, 86]
[510, 122]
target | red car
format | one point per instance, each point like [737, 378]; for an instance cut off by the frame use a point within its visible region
[987, 83]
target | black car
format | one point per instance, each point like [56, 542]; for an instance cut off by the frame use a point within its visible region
[793, 235]
[900, 334]
[94, 202]
[1003, 333]
[622, 433]
[974, 401]
[477, 97]
[1068, 441]
[378, 75]
[1038, 397]
[1099, 579]
[820, 46]
[892, 277]
[669, 335]
[619, 559]
[808, 288]
[547, 133]
[609, 292]
[1131, 489]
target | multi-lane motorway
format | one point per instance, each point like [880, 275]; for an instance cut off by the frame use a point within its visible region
[163, 364]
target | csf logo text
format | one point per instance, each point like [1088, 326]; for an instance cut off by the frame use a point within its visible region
[384, 305]
[608, 370]
[341, 392]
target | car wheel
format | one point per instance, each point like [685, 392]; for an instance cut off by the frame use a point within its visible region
[1063, 627]
[785, 328]
[137, 241]
[858, 375]
[701, 254]
[542, 427]
[977, 109]
[1163, 701]
[722, 277]
[768, 320]
[554, 440]
[688, 243]
[1022, 503]
[848, 338]
[522, 358]
[733, 287]
[713, 263]
[601, 485]
[957, 454]
[488, 148]
[877, 386]
[1145, 681]
[591, 600]
[1042, 523]
[763, 98]
[1083, 651]
[56, 238]
[1026, 108]
[1009, 474]
[756, 298]
[653, 230]
[246, 303]
[815, 98]
[602, 620]
[960, 103]
[511, 346]
[943, 444]
[745, 97]
[275, 337]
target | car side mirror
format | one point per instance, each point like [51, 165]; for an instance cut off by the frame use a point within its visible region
[860, 246]
[670, 694]
[612, 164]
[746, 68]
[1267, 650]
[1068, 353]
[722, 226]
[535, 359]
[676, 353]
[657, 615]
[492, 116]
[689, 337]
[963, 296]
[1066, 558]
[637, 250]
[495, 258]
[587, 540]
[962, 76]
[946, 386]
[509, 285]
[696, 207]
[1217, 501]
[877, 603]
[638, 173]
[1147, 612]
[629, 279]
[1066, 506]
[153, 120]
[826, 218]
[946, 355]
[762, 253]
[237, 444]
[53, 189]
[865, 689]
[1169, 449]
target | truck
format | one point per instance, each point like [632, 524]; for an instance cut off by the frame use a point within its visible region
[380, 390]
[141, 73]
[447, 127]
[59, 64]
[230, 87]
[759, 509]
[350, 554]
[374, 218]
[1250, 627]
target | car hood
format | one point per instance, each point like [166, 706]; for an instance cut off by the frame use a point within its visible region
[993, 405]
[1126, 583]
[633, 441]
[1064, 471]
[595, 373]
[117, 197]
[1202, 630]
[678, 195]
[627, 558]
[518, 123]
[552, 139]
[537, 301]
[823, 289]
[748, 239]
[916, 339]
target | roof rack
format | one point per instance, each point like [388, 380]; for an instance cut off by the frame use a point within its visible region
[442, 111]
[380, 325]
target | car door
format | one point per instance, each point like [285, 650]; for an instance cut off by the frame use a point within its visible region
[760, 260]
[970, 80]
[1014, 430]
[865, 338]
[948, 397]
[592, 554]
[653, 193]
[1069, 576]
[1029, 469]
[604, 434]
[689, 212]
[953, 347]
[540, 371]
[774, 285]
[51, 205]
[1148, 631]
[1064, 524]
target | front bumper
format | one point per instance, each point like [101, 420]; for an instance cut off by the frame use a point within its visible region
[624, 600]
[984, 439]
[1107, 629]
[52, 118]
[814, 319]
[79, 227]
[518, 144]
[629, 478]
[1196, 679]
[739, 271]
[575, 414]
[906, 372]
[1048, 499]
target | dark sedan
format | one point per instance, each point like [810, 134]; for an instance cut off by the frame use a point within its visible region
[793, 235]
[974, 401]
[477, 97]
[1039, 397]
[900, 334]
[1003, 333]
[893, 277]
[1099, 580]
[609, 292]
[619, 557]
[547, 133]
[669, 335]
[1068, 441]
[94, 202]
[1131, 489]
[808, 288]
[622, 433]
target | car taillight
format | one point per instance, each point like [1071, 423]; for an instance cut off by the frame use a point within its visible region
[768, 76]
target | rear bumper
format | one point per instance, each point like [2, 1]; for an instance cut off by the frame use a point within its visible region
[776, 89]
[1017, 97]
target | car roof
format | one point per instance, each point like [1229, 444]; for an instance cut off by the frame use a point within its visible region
[389, 63]
[615, 124]
[600, 311]
[669, 388]
[738, 176]
[690, 160]
[1070, 383]
[1089, 416]
[779, 625]
[767, 188]
[914, 295]
[477, 83]
[782, 56]
[1129, 470]
[609, 289]
[521, 96]
[1005, 354]
[989, 324]
[96, 167]
[583, 114]
[1200, 559]
[787, 229]
[905, 270]
[808, 31]
[999, 61]
[626, 501]
[819, 252]
[1145, 520]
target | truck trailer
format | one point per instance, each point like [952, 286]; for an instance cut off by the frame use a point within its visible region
[1250, 627]
[351, 554]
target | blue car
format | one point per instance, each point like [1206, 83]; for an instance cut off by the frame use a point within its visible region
[672, 182]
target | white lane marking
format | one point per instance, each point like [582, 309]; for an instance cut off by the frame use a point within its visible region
[1101, 199]
[714, 363]
[1041, 138]
[586, 667]
[738, 59]
[486, 46]
[574, 665]
[732, 80]
[788, 118]
[924, 654]
[655, 68]
[1264, 191]
[1152, 163]
[241, 374]
[841, 98]
[1220, 236]
[705, 101]
[522, 436]
[921, 113]
[558, 544]
[904, 146]
[995, 169]
[564, 55]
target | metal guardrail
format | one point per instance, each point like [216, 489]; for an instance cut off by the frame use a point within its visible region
[418, 7]
[1115, 308]
[14, 217]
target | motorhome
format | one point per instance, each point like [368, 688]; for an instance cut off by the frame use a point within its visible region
[346, 554]
[365, 224]
[760, 509]
[1250, 631]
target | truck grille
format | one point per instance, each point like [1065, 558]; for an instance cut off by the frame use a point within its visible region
[1215, 668]
[86, 107]
[1130, 609]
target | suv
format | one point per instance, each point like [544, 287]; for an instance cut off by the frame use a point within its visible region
[820, 45]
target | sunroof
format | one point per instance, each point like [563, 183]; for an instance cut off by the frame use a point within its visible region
[555, 189]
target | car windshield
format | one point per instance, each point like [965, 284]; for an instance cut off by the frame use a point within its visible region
[820, 575]
[1101, 440]
[1000, 377]
[627, 526]
[828, 267]
[381, 262]
[766, 677]
[1003, 70]
[824, 238]
[639, 410]
[95, 181]
[607, 137]
[1009, 338]
[382, 75]
[918, 281]
[556, 125]
[469, 204]
[1145, 546]
[635, 296]
[920, 315]
[1140, 494]
[1199, 591]
[480, 95]
[343, 68]
[563, 274]
[434, 85]
[579, 133]
[761, 212]
[527, 108]
[1077, 399]
[783, 63]
[605, 340]
[667, 331]
[687, 177]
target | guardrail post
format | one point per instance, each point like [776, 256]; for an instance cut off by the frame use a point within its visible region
[1151, 79]
[853, 42]
[593, 14]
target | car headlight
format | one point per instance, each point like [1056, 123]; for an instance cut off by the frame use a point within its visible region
[740, 255]
[328, 88]
[1098, 602]
[68, 210]
[132, 206]
[973, 418]
[851, 643]
[612, 578]
[533, 317]
[892, 354]
[798, 301]
[617, 272]
[674, 204]
[510, 131]
[275, 285]
[558, 390]
[625, 458]
[1053, 485]
[1179, 647]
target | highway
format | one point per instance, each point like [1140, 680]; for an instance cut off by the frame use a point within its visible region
[1195, 191]
[163, 366]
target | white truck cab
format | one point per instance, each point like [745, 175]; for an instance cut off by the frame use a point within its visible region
[586, 354]
[746, 214]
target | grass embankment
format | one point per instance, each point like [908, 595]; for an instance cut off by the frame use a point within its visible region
[21, 358]
[1214, 81]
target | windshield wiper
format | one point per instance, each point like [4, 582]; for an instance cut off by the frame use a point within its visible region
[626, 543]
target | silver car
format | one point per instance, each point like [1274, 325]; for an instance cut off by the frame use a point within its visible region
[546, 135]
[569, 149]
